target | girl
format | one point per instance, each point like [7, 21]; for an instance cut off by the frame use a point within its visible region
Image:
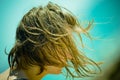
[44, 45]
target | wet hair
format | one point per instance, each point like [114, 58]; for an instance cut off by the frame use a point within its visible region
[46, 33]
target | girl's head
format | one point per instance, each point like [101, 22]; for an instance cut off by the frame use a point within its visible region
[44, 38]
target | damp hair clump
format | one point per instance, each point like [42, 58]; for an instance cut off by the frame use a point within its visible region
[43, 35]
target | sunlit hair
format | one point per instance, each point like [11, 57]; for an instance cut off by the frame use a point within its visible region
[44, 35]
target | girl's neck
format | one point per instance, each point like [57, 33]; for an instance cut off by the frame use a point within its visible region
[32, 73]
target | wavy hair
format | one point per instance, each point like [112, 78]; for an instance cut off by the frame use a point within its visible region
[44, 34]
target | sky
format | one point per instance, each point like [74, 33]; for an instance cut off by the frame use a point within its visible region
[106, 30]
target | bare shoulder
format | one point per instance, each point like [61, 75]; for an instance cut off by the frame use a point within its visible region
[4, 75]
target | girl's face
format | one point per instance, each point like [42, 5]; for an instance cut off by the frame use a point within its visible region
[51, 69]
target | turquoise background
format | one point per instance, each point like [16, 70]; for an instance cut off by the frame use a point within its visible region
[106, 15]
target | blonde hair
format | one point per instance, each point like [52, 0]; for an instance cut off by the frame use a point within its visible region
[43, 34]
